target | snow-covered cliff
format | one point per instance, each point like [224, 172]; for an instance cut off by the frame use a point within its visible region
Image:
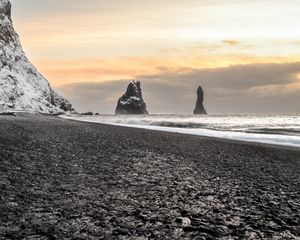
[22, 87]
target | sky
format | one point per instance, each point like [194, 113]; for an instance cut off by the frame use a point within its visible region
[245, 54]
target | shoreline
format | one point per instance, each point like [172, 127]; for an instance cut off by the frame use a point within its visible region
[269, 139]
[68, 179]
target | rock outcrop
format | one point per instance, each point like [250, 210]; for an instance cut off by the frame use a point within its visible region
[199, 105]
[22, 87]
[132, 101]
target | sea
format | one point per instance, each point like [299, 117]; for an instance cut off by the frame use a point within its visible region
[270, 129]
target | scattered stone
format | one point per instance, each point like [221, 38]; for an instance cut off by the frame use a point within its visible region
[87, 114]
[72, 180]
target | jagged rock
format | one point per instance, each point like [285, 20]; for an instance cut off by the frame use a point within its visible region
[199, 105]
[87, 114]
[132, 101]
[22, 87]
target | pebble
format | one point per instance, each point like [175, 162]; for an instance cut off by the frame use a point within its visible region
[184, 221]
[134, 192]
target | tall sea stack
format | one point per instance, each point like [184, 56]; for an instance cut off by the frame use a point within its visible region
[199, 105]
[22, 87]
[132, 101]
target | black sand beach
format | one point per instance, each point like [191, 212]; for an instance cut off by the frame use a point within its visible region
[62, 179]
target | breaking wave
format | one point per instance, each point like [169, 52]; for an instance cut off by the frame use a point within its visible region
[272, 129]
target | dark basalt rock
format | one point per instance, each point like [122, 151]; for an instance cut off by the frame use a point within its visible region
[199, 105]
[87, 114]
[132, 101]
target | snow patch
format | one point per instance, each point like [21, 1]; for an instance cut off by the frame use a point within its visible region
[22, 87]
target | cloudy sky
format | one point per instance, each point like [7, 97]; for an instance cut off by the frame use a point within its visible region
[245, 54]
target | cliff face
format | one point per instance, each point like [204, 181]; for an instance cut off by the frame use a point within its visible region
[132, 101]
[22, 87]
[199, 105]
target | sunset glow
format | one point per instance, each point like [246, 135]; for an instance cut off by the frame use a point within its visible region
[72, 42]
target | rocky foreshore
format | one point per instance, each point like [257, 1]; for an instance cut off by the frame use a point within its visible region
[62, 179]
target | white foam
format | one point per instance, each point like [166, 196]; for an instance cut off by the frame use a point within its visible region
[143, 122]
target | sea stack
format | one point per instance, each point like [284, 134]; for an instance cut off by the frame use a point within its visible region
[22, 87]
[132, 101]
[199, 105]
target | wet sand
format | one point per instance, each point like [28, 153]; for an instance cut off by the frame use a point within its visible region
[62, 179]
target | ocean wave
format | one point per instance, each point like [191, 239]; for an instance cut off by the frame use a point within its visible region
[273, 129]
[264, 130]
[178, 124]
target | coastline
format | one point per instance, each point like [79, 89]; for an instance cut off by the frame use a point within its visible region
[63, 178]
[251, 137]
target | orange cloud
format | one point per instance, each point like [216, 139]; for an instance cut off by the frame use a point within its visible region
[62, 72]
[231, 42]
